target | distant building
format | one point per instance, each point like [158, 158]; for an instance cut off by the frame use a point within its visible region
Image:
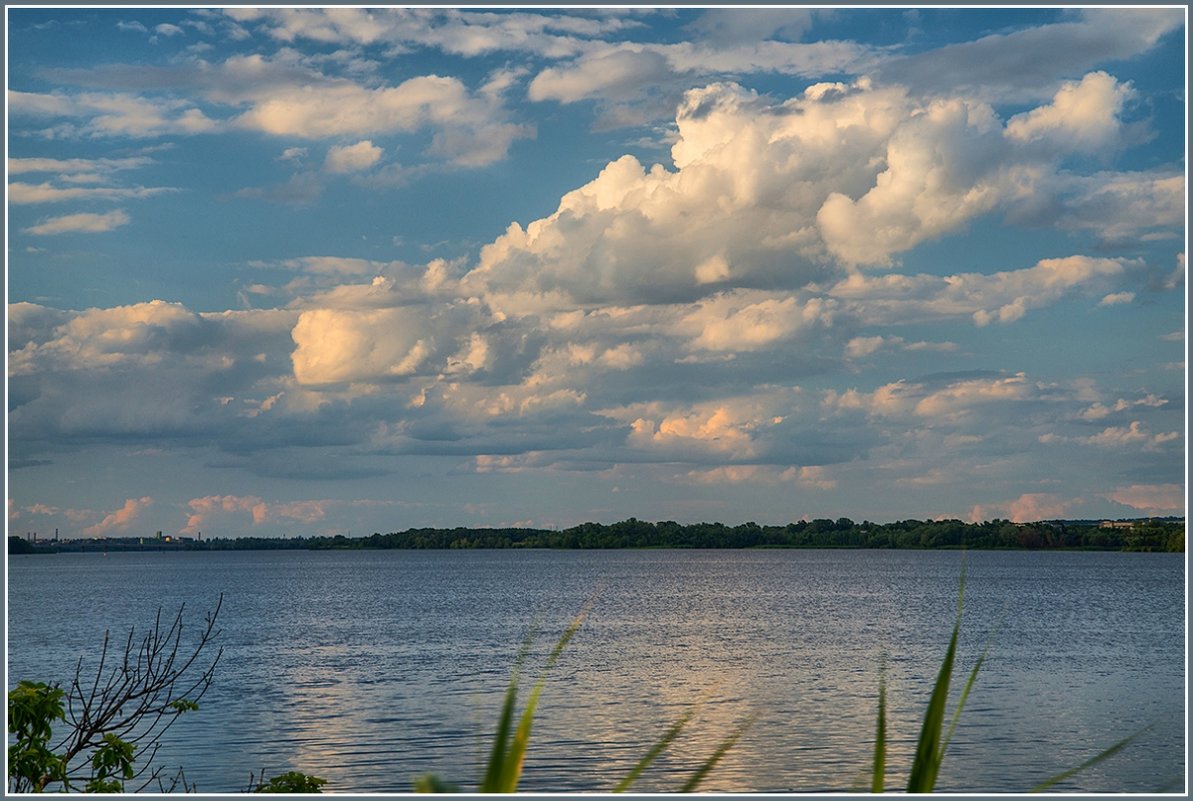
[1116, 524]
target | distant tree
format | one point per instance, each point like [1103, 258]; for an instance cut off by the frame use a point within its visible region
[19, 545]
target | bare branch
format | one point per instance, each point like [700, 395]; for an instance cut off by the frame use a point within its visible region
[139, 696]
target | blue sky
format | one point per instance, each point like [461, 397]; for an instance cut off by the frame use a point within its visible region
[300, 271]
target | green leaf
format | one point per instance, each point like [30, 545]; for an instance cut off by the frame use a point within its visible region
[929, 752]
[183, 705]
[113, 757]
[876, 781]
[517, 752]
[1089, 763]
[494, 779]
[292, 782]
[430, 783]
[507, 756]
[702, 771]
[32, 709]
[668, 736]
[104, 786]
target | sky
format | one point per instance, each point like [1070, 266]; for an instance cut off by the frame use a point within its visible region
[299, 271]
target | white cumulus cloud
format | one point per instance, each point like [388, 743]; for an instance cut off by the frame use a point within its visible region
[352, 158]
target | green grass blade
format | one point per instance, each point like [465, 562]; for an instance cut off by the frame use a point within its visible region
[1089, 763]
[494, 774]
[876, 780]
[659, 747]
[514, 758]
[929, 752]
[702, 771]
[965, 692]
[495, 778]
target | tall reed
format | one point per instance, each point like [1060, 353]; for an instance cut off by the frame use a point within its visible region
[508, 754]
[931, 744]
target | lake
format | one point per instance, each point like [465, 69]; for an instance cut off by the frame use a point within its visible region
[369, 668]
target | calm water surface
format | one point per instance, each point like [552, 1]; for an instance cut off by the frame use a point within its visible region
[370, 668]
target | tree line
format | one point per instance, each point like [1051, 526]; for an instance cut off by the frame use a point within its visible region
[1167, 534]
[820, 533]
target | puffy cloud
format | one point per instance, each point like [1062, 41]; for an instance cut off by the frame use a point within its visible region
[811, 477]
[953, 161]
[1151, 498]
[42, 509]
[960, 397]
[302, 511]
[121, 520]
[145, 333]
[203, 509]
[771, 195]
[612, 72]
[336, 345]
[1031, 507]
[287, 94]
[1118, 207]
[84, 223]
[947, 399]
[1118, 437]
[861, 347]
[220, 510]
[28, 322]
[741, 429]
[1082, 115]
[636, 83]
[713, 430]
[1001, 297]
[469, 129]
[1100, 411]
[943, 167]
[741, 322]
[147, 371]
[1117, 298]
[739, 209]
[352, 158]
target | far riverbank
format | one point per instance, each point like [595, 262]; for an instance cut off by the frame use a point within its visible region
[1144, 534]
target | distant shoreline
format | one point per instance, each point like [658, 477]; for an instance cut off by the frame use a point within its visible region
[1143, 534]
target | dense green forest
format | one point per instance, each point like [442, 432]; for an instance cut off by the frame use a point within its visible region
[1166, 534]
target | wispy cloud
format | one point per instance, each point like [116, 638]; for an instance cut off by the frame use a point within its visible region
[84, 223]
[22, 193]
